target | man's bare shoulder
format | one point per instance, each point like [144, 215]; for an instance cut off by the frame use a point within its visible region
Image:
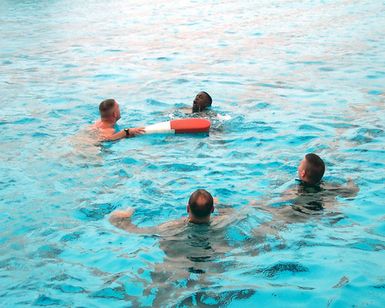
[102, 131]
[349, 190]
[169, 226]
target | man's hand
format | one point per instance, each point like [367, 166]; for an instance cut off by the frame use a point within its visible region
[136, 131]
[122, 220]
[122, 214]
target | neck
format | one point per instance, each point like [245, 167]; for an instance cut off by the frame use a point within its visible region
[107, 122]
[199, 220]
[305, 182]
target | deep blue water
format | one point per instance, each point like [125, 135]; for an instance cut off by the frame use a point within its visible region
[290, 78]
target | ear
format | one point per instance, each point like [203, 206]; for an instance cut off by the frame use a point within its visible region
[188, 209]
[303, 174]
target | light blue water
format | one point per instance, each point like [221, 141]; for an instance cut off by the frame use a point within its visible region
[294, 77]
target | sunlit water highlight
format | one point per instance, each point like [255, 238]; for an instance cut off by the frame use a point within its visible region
[287, 78]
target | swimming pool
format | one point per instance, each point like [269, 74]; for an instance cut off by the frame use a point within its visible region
[292, 77]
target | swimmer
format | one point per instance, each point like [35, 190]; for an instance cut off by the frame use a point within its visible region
[199, 208]
[109, 115]
[311, 196]
[191, 245]
[310, 199]
[201, 102]
[201, 108]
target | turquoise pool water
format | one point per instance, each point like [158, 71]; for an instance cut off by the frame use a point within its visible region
[289, 78]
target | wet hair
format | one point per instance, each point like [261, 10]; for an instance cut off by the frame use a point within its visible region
[106, 106]
[199, 209]
[208, 97]
[315, 168]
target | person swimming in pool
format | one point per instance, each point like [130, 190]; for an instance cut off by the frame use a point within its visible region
[191, 245]
[201, 108]
[199, 208]
[109, 115]
[310, 199]
[311, 196]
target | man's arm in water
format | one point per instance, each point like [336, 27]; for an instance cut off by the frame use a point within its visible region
[122, 220]
[349, 190]
[110, 135]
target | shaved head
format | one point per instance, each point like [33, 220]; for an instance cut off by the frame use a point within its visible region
[109, 108]
[201, 203]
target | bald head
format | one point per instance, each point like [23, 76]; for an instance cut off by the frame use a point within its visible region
[201, 203]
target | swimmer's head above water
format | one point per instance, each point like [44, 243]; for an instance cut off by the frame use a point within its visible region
[109, 110]
[201, 102]
[311, 169]
[200, 206]
[110, 114]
